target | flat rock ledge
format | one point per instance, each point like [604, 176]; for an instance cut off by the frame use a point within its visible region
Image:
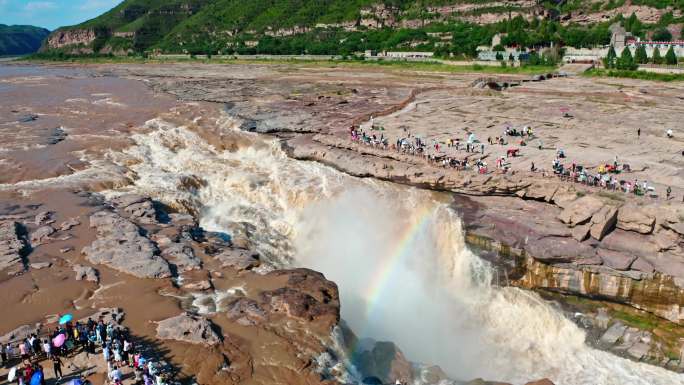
[188, 328]
[120, 246]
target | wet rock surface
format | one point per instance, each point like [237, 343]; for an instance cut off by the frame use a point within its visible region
[120, 245]
[188, 328]
[12, 245]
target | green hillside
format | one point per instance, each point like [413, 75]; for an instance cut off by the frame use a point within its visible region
[347, 26]
[20, 39]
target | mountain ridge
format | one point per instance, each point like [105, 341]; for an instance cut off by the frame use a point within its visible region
[21, 39]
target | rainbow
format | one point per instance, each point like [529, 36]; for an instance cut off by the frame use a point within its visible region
[385, 272]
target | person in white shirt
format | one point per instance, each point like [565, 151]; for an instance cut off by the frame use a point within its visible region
[47, 348]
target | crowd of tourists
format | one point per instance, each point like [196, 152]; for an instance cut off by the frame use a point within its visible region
[114, 343]
[605, 176]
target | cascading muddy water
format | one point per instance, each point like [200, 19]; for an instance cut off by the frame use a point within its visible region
[396, 253]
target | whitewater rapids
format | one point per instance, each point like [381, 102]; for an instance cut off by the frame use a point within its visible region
[397, 254]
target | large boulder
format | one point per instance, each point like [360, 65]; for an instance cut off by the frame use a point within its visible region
[41, 235]
[603, 222]
[68, 224]
[616, 260]
[188, 328]
[540, 191]
[666, 239]
[246, 312]
[87, 273]
[238, 259]
[581, 232]
[182, 256]
[630, 242]
[558, 250]
[581, 210]
[632, 218]
[677, 227]
[641, 264]
[120, 246]
[384, 361]
[136, 207]
[12, 245]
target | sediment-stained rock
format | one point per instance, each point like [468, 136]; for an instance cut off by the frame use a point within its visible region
[41, 235]
[616, 260]
[246, 312]
[603, 221]
[188, 328]
[136, 208]
[87, 273]
[581, 210]
[385, 361]
[182, 256]
[655, 293]
[12, 245]
[69, 224]
[42, 217]
[120, 246]
[632, 218]
[238, 259]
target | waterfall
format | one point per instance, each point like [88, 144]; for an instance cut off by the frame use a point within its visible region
[397, 254]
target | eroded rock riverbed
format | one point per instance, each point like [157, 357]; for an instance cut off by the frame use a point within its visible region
[229, 209]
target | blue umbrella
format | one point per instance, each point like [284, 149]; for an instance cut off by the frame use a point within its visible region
[37, 378]
[65, 318]
[76, 381]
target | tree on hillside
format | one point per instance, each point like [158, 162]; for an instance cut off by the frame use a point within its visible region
[626, 61]
[657, 59]
[662, 34]
[640, 55]
[633, 25]
[671, 57]
[610, 59]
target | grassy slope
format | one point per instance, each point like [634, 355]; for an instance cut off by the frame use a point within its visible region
[20, 39]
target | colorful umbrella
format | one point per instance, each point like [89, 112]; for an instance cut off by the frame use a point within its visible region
[65, 318]
[37, 378]
[59, 340]
[12, 374]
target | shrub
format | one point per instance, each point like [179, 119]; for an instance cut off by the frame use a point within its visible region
[671, 57]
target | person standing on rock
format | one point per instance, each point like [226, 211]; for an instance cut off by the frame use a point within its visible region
[23, 351]
[126, 350]
[105, 352]
[57, 367]
[47, 348]
[639, 133]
